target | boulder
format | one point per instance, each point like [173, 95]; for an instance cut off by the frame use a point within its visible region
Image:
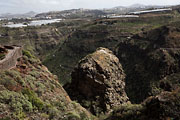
[98, 82]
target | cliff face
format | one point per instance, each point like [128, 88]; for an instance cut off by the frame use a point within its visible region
[98, 84]
[87, 38]
[164, 106]
[99, 80]
[30, 91]
[151, 61]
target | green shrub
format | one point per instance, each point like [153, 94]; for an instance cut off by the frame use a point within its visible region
[30, 80]
[12, 73]
[7, 118]
[53, 112]
[27, 53]
[35, 73]
[20, 115]
[40, 87]
[45, 116]
[84, 116]
[2, 56]
[34, 60]
[128, 112]
[36, 102]
[7, 81]
[73, 116]
[16, 102]
[60, 105]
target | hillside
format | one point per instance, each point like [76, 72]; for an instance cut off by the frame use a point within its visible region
[25, 15]
[98, 83]
[161, 107]
[30, 91]
[57, 41]
[73, 14]
[40, 40]
[115, 69]
[96, 13]
[150, 59]
[99, 33]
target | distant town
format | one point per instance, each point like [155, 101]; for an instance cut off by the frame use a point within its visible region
[34, 19]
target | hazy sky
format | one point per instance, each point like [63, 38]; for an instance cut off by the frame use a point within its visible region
[22, 6]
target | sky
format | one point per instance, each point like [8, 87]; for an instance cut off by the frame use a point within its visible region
[23, 6]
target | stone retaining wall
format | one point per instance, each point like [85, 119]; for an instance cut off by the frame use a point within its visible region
[10, 62]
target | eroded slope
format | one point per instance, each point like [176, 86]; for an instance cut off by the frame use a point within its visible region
[149, 59]
[30, 91]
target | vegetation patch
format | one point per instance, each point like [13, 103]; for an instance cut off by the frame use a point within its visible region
[32, 97]
[27, 53]
[2, 56]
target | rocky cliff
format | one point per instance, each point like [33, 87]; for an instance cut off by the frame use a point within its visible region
[164, 106]
[98, 82]
[151, 61]
[87, 38]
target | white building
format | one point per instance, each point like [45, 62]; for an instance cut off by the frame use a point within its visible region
[151, 11]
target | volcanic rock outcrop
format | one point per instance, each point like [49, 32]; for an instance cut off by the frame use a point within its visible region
[98, 82]
[164, 106]
[151, 61]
